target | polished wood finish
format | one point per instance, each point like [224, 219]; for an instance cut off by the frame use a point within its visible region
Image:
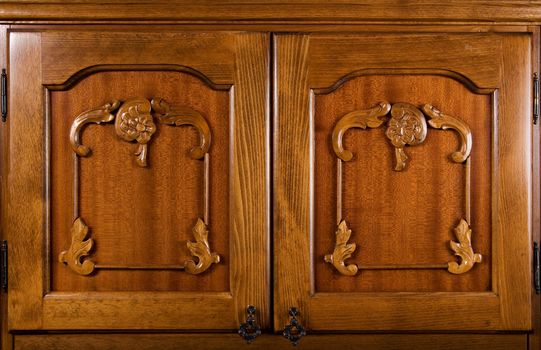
[471, 59]
[322, 77]
[205, 341]
[116, 197]
[80, 248]
[407, 126]
[127, 207]
[423, 235]
[311, 11]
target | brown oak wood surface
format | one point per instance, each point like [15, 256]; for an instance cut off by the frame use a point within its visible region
[147, 213]
[50, 55]
[402, 217]
[140, 215]
[5, 340]
[321, 62]
[275, 10]
[205, 341]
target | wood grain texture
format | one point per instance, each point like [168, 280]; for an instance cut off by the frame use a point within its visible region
[25, 221]
[6, 340]
[292, 179]
[403, 217]
[250, 178]
[140, 215]
[205, 341]
[142, 310]
[138, 211]
[339, 57]
[534, 339]
[276, 10]
[513, 198]
[66, 53]
[334, 59]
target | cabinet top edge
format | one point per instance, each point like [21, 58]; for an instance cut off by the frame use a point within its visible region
[273, 11]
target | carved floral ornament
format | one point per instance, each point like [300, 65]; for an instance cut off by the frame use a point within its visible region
[407, 126]
[135, 120]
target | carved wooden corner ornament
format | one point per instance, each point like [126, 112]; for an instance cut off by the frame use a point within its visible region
[342, 251]
[80, 248]
[200, 249]
[463, 249]
[134, 121]
[407, 126]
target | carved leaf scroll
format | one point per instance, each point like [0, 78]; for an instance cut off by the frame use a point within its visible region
[201, 250]
[134, 121]
[78, 249]
[463, 249]
[439, 120]
[357, 119]
[342, 251]
[185, 116]
[96, 115]
[407, 126]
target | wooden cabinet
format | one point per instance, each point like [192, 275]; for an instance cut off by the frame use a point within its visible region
[361, 185]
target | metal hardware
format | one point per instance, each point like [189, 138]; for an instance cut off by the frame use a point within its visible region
[4, 94]
[250, 330]
[4, 266]
[536, 269]
[294, 331]
[535, 98]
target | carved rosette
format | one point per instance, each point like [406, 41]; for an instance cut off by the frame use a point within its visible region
[135, 121]
[406, 126]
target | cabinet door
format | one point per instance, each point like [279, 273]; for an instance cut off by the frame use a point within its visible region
[403, 181]
[138, 179]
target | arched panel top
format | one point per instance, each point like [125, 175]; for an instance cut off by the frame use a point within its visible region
[82, 74]
[464, 80]
[67, 53]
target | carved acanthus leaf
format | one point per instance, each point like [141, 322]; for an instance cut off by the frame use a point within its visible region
[463, 249]
[78, 249]
[201, 250]
[342, 251]
[357, 119]
[185, 116]
[439, 120]
[96, 115]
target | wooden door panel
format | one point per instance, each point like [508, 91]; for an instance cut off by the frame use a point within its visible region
[140, 215]
[155, 207]
[365, 239]
[402, 218]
